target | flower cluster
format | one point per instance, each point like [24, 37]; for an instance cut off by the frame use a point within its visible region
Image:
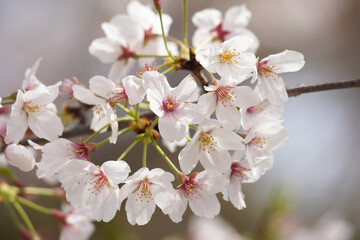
[230, 128]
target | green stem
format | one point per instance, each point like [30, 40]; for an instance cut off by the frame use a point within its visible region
[33, 205]
[26, 220]
[192, 127]
[149, 56]
[185, 23]
[8, 98]
[168, 70]
[96, 133]
[129, 148]
[211, 76]
[197, 48]
[145, 153]
[169, 162]
[7, 103]
[137, 112]
[39, 191]
[12, 213]
[153, 124]
[124, 109]
[100, 144]
[168, 64]
[163, 34]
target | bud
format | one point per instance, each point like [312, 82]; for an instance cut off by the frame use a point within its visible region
[157, 4]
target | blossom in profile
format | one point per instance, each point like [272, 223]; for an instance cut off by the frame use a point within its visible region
[210, 144]
[199, 191]
[226, 98]
[271, 86]
[213, 28]
[34, 109]
[145, 190]
[171, 104]
[31, 82]
[86, 184]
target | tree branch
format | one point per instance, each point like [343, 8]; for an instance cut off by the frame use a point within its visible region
[303, 88]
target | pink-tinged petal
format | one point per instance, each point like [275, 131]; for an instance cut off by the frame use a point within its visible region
[17, 125]
[171, 129]
[243, 31]
[246, 97]
[206, 205]
[235, 195]
[185, 88]
[105, 49]
[207, 104]
[30, 78]
[40, 125]
[142, 14]
[236, 17]
[140, 211]
[188, 113]
[273, 88]
[84, 95]
[207, 18]
[105, 206]
[102, 86]
[166, 200]
[286, 61]
[120, 68]
[228, 115]
[212, 181]
[189, 156]
[155, 99]
[217, 160]
[209, 125]
[134, 89]
[227, 139]
[115, 171]
[20, 157]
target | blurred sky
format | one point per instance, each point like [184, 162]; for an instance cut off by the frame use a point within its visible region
[320, 166]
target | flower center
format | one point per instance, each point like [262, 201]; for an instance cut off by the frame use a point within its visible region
[97, 182]
[98, 112]
[260, 142]
[225, 94]
[144, 192]
[219, 33]
[169, 103]
[79, 151]
[117, 95]
[230, 57]
[208, 143]
[267, 71]
[33, 110]
[126, 53]
[192, 188]
[240, 171]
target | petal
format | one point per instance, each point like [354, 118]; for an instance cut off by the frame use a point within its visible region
[40, 125]
[286, 61]
[102, 86]
[217, 160]
[185, 88]
[189, 156]
[17, 125]
[156, 81]
[106, 204]
[176, 216]
[139, 211]
[207, 18]
[206, 205]
[116, 171]
[85, 95]
[272, 87]
[235, 195]
[142, 14]
[120, 68]
[129, 30]
[236, 17]
[20, 157]
[227, 139]
[167, 21]
[207, 104]
[134, 89]
[105, 49]
[228, 115]
[246, 97]
[171, 129]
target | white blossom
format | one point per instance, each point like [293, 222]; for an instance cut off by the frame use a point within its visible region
[19, 156]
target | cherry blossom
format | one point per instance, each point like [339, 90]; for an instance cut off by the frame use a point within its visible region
[210, 145]
[199, 190]
[225, 97]
[77, 223]
[144, 190]
[31, 82]
[170, 104]
[231, 59]
[211, 25]
[34, 109]
[56, 154]
[271, 86]
[123, 37]
[19, 156]
[86, 184]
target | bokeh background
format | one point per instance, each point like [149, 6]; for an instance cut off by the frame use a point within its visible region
[319, 167]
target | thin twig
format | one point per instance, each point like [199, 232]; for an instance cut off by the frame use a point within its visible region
[303, 88]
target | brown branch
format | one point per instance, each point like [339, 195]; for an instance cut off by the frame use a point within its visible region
[195, 67]
[303, 88]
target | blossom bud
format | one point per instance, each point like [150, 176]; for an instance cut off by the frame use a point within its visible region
[20, 157]
[158, 5]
